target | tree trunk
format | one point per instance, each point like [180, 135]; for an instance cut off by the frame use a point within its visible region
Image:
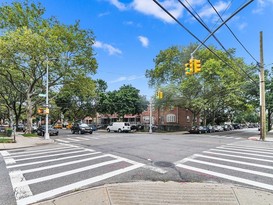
[269, 120]
[29, 113]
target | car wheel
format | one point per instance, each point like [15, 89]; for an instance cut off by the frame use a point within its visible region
[108, 130]
[73, 132]
[57, 133]
[199, 132]
[119, 130]
[91, 132]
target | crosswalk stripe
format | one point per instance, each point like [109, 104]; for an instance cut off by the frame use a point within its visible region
[82, 138]
[76, 185]
[244, 149]
[57, 165]
[225, 176]
[249, 147]
[50, 155]
[221, 150]
[72, 139]
[238, 156]
[37, 151]
[234, 161]
[44, 152]
[51, 160]
[230, 168]
[59, 140]
[62, 174]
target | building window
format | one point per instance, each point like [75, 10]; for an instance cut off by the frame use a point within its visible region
[188, 118]
[171, 118]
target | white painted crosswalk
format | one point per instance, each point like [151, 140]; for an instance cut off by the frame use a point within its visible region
[224, 137]
[240, 163]
[72, 138]
[60, 169]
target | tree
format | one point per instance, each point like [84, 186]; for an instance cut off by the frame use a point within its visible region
[30, 44]
[212, 93]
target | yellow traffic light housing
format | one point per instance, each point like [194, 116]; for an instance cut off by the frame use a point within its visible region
[187, 69]
[46, 111]
[40, 111]
[159, 95]
[191, 66]
[197, 66]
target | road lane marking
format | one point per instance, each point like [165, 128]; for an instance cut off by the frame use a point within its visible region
[51, 160]
[76, 185]
[59, 140]
[220, 150]
[20, 192]
[4, 153]
[51, 155]
[231, 168]
[62, 174]
[51, 152]
[236, 156]
[224, 176]
[57, 165]
[245, 150]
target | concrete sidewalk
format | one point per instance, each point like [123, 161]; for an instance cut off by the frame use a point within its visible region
[154, 193]
[22, 141]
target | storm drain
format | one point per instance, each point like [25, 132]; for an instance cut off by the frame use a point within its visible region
[163, 164]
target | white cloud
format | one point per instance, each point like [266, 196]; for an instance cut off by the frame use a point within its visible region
[109, 48]
[119, 5]
[128, 78]
[208, 11]
[104, 14]
[144, 41]
[242, 26]
[148, 7]
[261, 5]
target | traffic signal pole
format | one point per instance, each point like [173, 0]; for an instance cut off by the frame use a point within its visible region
[262, 92]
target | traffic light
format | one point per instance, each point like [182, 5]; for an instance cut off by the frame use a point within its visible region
[159, 95]
[197, 66]
[46, 111]
[40, 111]
[191, 66]
[187, 69]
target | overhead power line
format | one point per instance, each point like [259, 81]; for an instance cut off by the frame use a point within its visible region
[233, 33]
[177, 21]
[206, 27]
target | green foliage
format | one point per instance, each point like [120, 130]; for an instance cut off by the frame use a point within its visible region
[29, 44]
[218, 90]
[124, 101]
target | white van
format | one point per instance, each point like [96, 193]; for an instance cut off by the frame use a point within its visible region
[119, 127]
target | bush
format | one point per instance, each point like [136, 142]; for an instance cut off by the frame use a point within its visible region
[9, 132]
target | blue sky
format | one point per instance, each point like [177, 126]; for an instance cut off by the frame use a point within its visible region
[130, 33]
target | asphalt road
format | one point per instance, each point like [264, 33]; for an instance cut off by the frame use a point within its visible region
[76, 161]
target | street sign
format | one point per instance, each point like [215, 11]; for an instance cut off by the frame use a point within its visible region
[42, 95]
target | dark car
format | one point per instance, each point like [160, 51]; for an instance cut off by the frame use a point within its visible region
[81, 128]
[93, 126]
[51, 130]
[210, 129]
[198, 130]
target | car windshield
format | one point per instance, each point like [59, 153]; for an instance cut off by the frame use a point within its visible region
[43, 126]
[84, 125]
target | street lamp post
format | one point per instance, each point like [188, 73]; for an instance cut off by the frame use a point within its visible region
[150, 129]
[46, 127]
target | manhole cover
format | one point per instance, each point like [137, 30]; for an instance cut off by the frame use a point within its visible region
[163, 164]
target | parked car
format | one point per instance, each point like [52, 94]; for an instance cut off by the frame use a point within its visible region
[237, 126]
[218, 128]
[58, 126]
[20, 128]
[210, 129]
[93, 126]
[198, 130]
[81, 128]
[51, 130]
[119, 127]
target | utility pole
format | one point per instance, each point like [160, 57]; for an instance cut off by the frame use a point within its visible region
[262, 92]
